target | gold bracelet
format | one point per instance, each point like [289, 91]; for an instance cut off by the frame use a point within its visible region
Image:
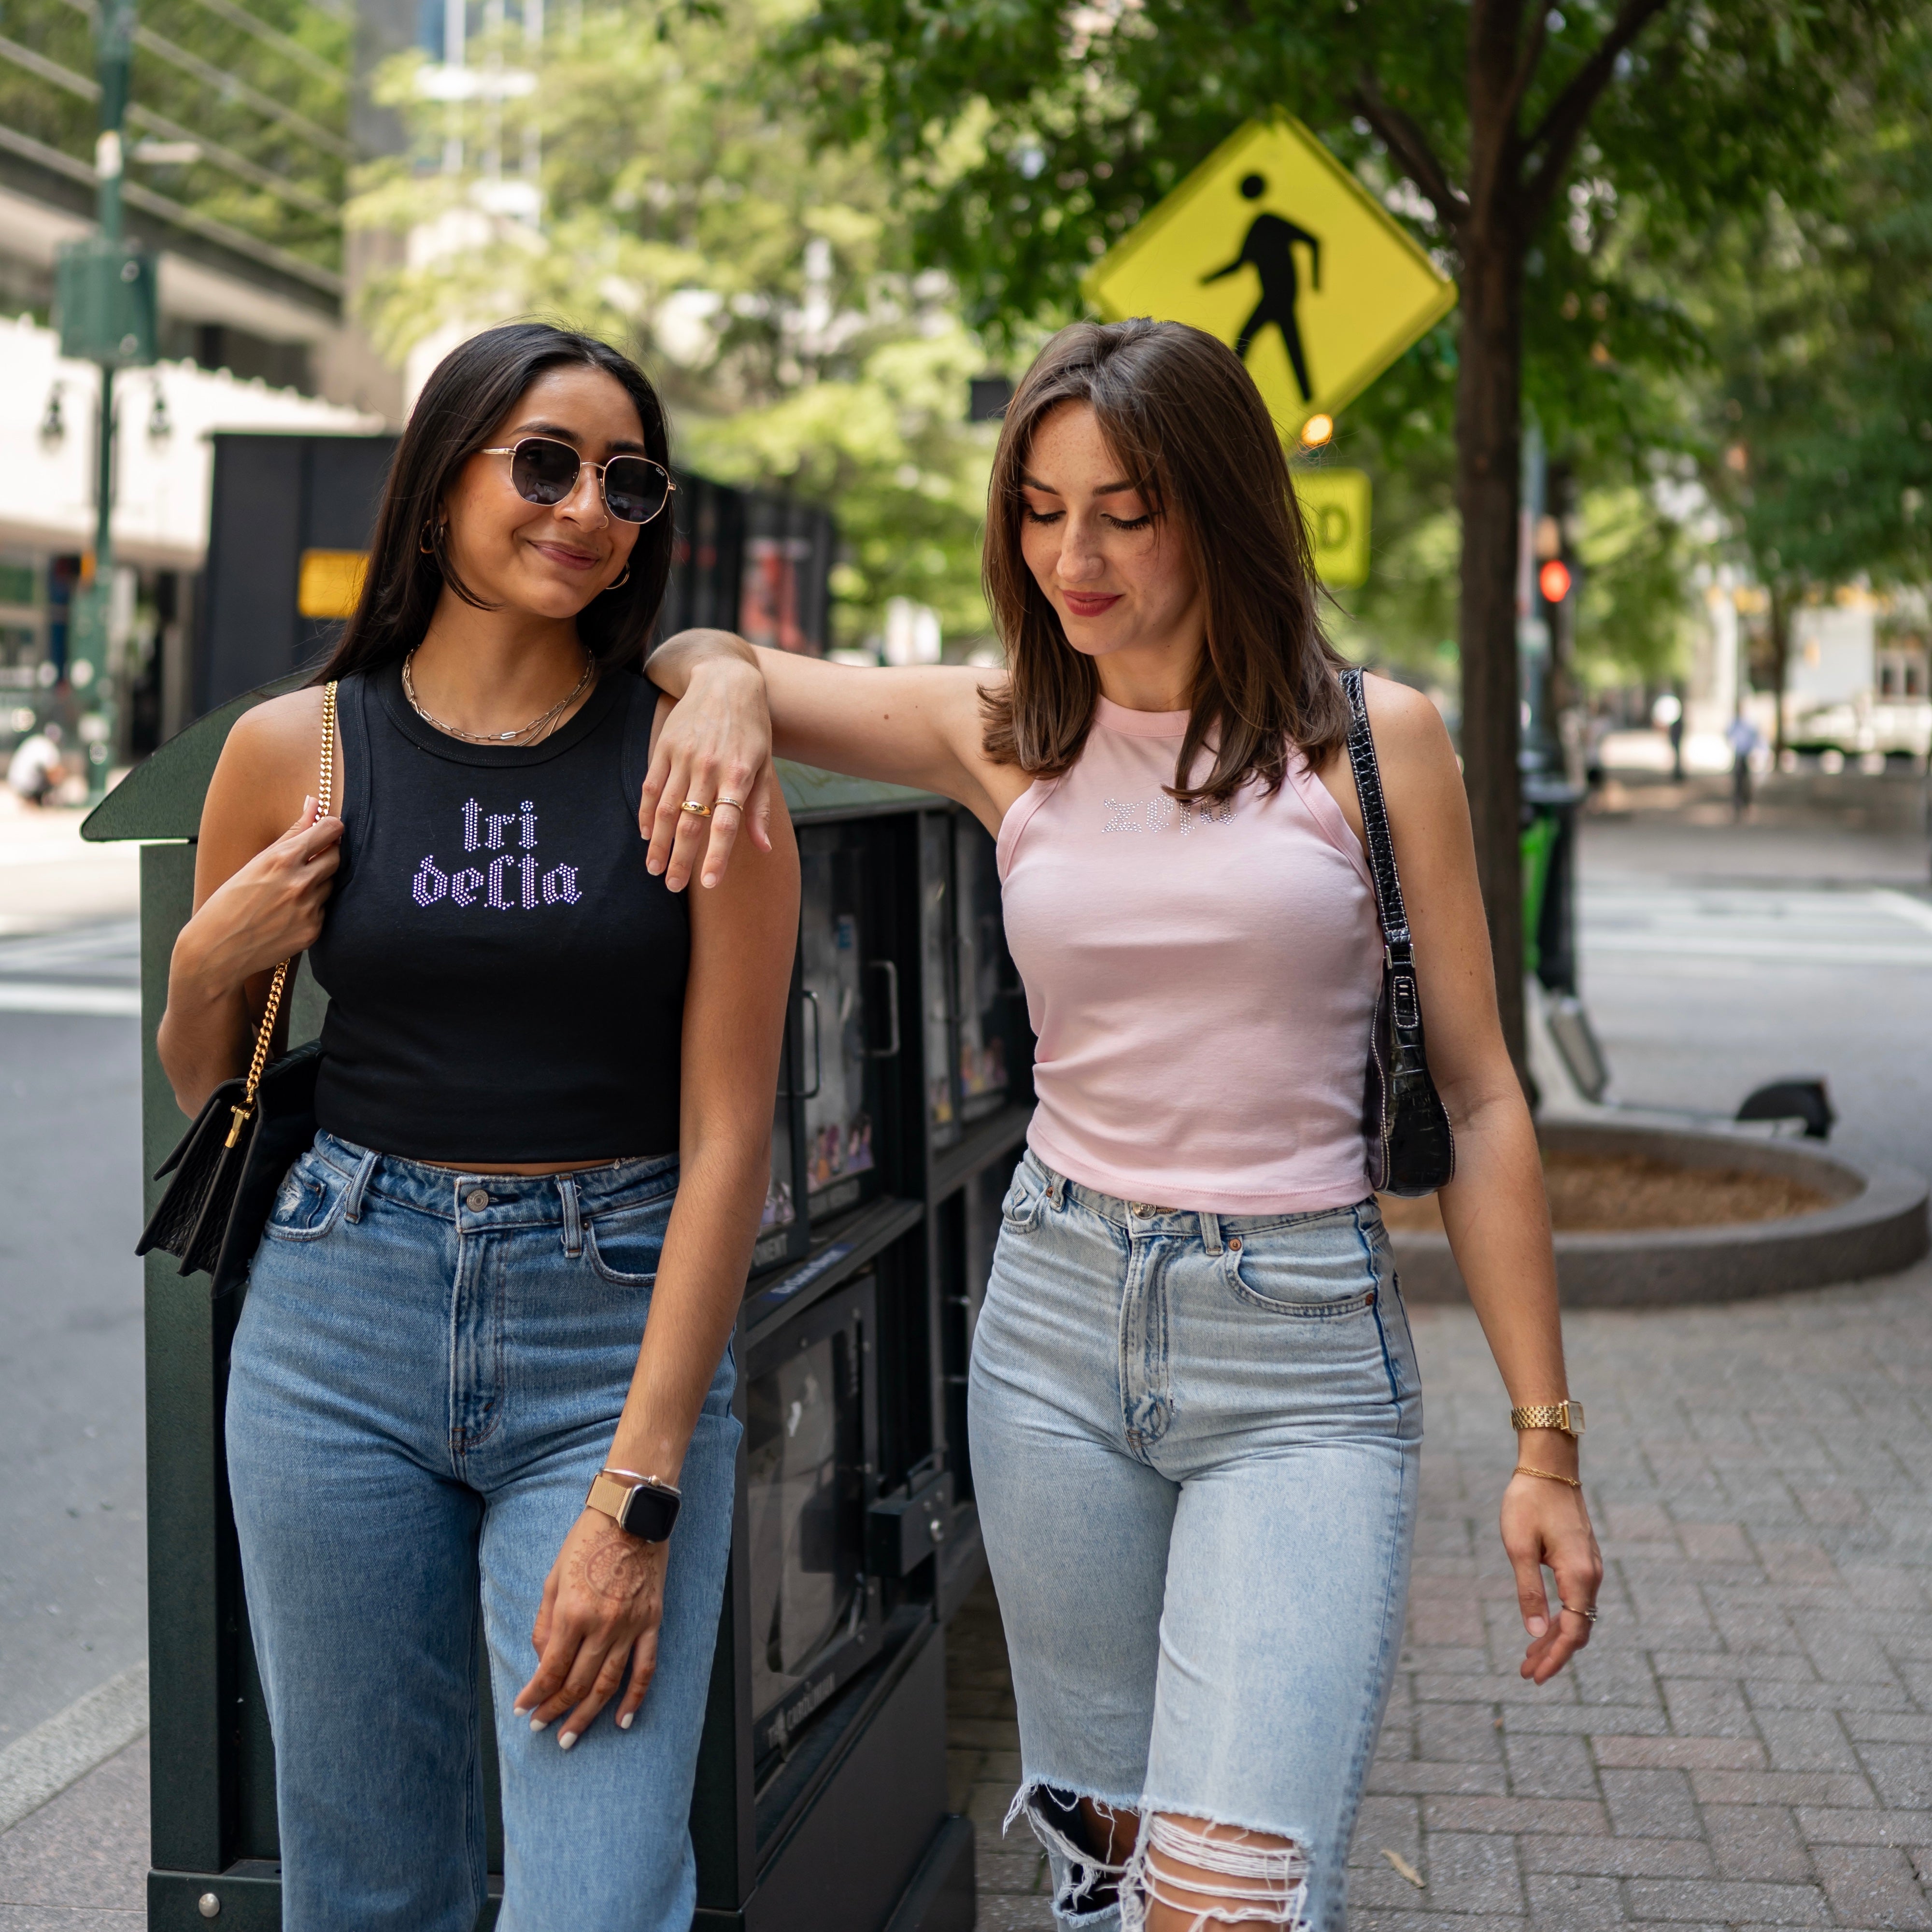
[1523, 1469]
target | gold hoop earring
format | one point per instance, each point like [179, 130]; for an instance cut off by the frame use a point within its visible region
[426, 543]
[618, 584]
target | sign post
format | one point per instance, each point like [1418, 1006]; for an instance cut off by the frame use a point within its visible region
[1274, 247]
[105, 292]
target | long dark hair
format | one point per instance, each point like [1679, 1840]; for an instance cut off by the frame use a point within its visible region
[1184, 418]
[473, 388]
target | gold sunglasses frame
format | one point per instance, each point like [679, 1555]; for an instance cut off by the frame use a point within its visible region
[597, 470]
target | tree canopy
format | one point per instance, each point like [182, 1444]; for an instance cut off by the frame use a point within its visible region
[765, 279]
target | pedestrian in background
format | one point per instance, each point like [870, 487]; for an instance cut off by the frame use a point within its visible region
[545, 1106]
[1195, 1414]
[34, 773]
[1744, 739]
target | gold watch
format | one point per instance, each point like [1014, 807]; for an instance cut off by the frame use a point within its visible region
[1566, 1415]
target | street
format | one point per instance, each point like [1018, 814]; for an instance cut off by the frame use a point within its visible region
[73, 1506]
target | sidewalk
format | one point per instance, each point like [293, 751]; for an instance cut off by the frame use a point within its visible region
[50, 877]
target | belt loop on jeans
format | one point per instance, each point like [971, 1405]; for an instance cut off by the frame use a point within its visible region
[358, 1185]
[573, 1217]
[1211, 1231]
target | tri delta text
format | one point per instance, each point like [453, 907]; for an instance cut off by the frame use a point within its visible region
[510, 882]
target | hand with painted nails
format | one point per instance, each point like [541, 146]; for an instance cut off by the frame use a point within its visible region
[715, 750]
[602, 1603]
[1545, 1525]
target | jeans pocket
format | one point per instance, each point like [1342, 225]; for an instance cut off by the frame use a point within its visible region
[1323, 1268]
[625, 1246]
[308, 1201]
[1025, 1201]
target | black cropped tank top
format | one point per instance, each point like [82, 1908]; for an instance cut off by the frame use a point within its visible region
[506, 980]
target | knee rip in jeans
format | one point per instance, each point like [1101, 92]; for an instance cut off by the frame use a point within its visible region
[1182, 1864]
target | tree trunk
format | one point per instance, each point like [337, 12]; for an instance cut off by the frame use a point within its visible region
[1489, 490]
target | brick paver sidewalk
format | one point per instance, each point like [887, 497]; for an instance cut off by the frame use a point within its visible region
[1747, 1744]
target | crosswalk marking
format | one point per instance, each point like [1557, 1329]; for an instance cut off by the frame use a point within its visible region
[67, 996]
[1759, 926]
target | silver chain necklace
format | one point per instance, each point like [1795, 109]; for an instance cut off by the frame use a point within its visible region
[536, 725]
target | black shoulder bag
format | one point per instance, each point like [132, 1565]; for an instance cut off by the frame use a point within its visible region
[231, 1162]
[1412, 1150]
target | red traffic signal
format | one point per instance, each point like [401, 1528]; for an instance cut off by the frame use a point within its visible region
[1553, 580]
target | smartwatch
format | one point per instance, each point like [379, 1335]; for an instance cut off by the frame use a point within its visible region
[641, 1506]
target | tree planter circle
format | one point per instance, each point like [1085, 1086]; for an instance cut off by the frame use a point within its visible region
[1870, 1220]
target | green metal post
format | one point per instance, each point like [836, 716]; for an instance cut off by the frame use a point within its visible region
[90, 639]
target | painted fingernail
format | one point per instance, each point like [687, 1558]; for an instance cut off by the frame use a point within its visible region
[539, 1724]
[565, 1742]
[624, 1722]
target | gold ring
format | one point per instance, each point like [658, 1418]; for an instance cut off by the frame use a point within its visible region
[1575, 1611]
[697, 806]
[718, 804]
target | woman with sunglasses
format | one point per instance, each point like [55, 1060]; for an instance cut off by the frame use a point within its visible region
[481, 1391]
[1195, 1407]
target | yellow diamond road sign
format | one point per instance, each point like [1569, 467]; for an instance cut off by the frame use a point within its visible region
[1274, 247]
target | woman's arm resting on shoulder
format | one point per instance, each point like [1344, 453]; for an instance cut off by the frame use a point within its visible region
[1495, 1210]
[717, 745]
[912, 726]
[604, 1595]
[263, 869]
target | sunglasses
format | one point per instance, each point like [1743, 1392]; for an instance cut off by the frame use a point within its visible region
[543, 470]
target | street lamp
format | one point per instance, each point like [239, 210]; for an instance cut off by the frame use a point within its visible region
[104, 292]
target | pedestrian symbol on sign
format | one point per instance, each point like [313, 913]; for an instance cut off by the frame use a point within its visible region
[1268, 248]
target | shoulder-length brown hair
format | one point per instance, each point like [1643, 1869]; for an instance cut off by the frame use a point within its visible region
[1190, 427]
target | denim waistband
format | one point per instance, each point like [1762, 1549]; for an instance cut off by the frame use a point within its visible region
[1148, 1217]
[511, 1200]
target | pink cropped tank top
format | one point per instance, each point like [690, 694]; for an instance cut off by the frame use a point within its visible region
[1202, 979]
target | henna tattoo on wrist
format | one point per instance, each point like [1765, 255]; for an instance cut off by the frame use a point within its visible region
[617, 1569]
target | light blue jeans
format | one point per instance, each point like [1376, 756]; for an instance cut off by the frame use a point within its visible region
[1195, 1445]
[423, 1384]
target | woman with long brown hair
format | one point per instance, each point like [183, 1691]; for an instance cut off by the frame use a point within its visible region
[1196, 1414]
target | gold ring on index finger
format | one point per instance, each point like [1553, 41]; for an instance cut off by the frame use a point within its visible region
[696, 807]
[1577, 1610]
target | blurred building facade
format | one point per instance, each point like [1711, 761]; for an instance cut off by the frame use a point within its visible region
[246, 119]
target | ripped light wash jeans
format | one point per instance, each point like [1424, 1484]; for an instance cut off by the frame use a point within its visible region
[1196, 1441]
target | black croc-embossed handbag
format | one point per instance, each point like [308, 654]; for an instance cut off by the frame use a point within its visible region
[231, 1162]
[1412, 1150]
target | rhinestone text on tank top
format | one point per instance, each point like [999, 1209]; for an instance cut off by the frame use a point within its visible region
[510, 882]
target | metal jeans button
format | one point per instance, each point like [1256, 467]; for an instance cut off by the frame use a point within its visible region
[476, 1200]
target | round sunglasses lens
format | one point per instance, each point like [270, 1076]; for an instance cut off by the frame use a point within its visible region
[635, 488]
[543, 473]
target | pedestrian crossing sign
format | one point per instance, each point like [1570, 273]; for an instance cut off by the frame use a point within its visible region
[1274, 247]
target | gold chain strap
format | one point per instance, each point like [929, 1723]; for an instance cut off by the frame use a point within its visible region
[265, 1034]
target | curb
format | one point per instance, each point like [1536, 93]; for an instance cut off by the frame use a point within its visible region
[71, 1743]
[1874, 1224]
